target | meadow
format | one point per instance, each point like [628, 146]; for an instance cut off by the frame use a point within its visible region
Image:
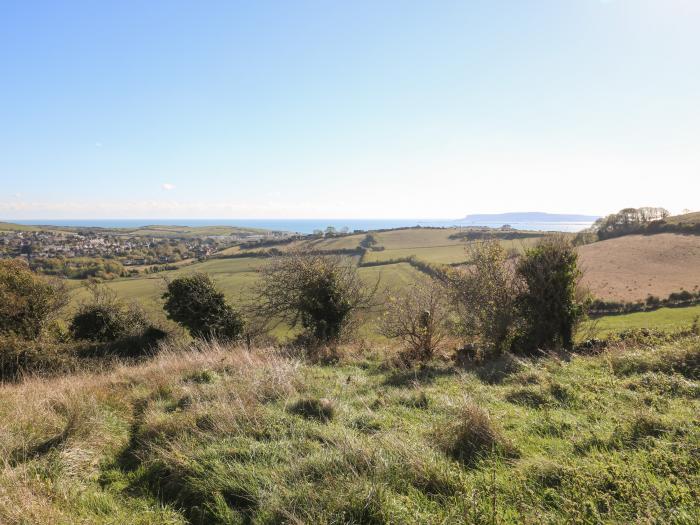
[666, 319]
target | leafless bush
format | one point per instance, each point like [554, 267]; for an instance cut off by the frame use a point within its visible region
[419, 317]
[485, 296]
[320, 293]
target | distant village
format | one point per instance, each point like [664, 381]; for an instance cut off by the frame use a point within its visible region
[50, 249]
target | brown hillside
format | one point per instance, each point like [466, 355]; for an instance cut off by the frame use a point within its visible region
[688, 218]
[632, 267]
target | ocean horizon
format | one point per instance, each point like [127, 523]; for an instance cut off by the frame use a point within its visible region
[306, 226]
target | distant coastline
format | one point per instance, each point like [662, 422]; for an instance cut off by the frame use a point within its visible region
[549, 223]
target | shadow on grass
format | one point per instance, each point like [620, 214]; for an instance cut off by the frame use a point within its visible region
[424, 374]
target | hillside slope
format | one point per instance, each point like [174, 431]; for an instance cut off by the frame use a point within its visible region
[632, 267]
[220, 435]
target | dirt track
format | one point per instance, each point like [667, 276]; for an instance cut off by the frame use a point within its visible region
[632, 267]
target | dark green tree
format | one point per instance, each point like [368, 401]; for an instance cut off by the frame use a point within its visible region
[552, 303]
[195, 303]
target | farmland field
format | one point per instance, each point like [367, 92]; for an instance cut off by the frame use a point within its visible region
[669, 262]
[632, 267]
[666, 319]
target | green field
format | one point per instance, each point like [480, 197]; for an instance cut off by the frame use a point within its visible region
[233, 276]
[667, 319]
[236, 278]
[159, 231]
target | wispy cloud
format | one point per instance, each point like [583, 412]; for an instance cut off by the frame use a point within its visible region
[167, 186]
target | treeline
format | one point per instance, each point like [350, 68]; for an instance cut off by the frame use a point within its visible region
[600, 307]
[480, 234]
[79, 267]
[276, 252]
[264, 243]
[645, 221]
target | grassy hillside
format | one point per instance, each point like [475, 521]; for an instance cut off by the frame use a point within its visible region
[11, 227]
[687, 218]
[233, 276]
[220, 435]
[159, 231]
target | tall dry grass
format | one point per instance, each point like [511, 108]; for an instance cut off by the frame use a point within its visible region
[64, 428]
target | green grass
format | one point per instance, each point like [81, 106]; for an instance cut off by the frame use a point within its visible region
[432, 254]
[221, 436]
[235, 277]
[160, 231]
[666, 319]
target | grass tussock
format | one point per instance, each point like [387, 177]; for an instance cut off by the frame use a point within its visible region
[313, 408]
[472, 435]
[216, 434]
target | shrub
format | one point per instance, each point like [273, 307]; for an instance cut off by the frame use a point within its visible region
[484, 295]
[418, 317]
[20, 356]
[319, 292]
[551, 303]
[195, 303]
[120, 328]
[28, 303]
[106, 318]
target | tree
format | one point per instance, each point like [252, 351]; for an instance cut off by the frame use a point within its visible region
[552, 303]
[195, 303]
[484, 295]
[369, 241]
[28, 302]
[321, 293]
[418, 317]
[626, 221]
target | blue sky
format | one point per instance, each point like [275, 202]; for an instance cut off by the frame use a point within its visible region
[347, 109]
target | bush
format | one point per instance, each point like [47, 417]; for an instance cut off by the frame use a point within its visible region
[319, 292]
[195, 303]
[418, 317]
[551, 303]
[29, 304]
[121, 328]
[20, 356]
[484, 295]
[105, 318]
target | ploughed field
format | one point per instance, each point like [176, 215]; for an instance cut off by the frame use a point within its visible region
[632, 267]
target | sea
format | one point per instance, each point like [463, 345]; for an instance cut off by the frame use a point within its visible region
[306, 225]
